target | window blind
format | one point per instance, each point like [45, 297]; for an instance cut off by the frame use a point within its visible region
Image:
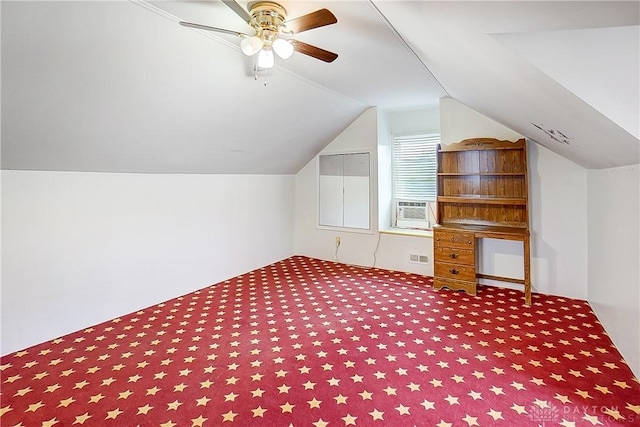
[414, 167]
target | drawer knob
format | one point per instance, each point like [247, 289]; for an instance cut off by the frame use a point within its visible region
[453, 239]
[454, 256]
[469, 242]
[454, 271]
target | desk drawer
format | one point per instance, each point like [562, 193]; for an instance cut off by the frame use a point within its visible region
[455, 271]
[454, 239]
[455, 255]
[456, 285]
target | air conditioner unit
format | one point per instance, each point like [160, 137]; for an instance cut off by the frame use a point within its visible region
[412, 214]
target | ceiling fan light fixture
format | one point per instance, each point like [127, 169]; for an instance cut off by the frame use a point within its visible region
[268, 21]
[251, 45]
[265, 58]
[283, 48]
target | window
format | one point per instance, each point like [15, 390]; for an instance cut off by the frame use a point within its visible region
[414, 167]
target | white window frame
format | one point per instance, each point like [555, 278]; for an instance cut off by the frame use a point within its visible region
[432, 139]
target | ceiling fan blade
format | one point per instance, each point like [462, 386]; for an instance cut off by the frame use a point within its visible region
[239, 10]
[313, 51]
[312, 20]
[208, 28]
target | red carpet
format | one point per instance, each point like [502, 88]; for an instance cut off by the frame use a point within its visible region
[305, 342]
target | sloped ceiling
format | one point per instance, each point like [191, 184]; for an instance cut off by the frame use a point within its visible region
[457, 41]
[121, 87]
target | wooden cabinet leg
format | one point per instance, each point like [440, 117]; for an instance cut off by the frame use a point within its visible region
[527, 271]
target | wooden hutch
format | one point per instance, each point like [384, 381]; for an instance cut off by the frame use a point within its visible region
[482, 193]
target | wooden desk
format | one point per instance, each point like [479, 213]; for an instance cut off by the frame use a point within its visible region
[456, 258]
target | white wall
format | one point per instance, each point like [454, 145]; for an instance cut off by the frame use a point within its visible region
[81, 248]
[385, 186]
[614, 254]
[459, 122]
[558, 221]
[557, 210]
[567, 56]
[355, 248]
[414, 120]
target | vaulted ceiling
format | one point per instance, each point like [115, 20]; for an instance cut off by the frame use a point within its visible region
[121, 87]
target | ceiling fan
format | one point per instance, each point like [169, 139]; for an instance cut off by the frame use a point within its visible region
[269, 21]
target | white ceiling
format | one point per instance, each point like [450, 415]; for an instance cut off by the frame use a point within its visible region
[121, 87]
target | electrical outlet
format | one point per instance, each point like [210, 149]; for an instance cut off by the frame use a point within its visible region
[337, 241]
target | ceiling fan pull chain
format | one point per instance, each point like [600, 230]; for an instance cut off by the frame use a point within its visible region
[256, 72]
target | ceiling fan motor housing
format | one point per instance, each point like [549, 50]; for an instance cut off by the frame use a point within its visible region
[267, 18]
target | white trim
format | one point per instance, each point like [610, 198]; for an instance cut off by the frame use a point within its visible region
[407, 232]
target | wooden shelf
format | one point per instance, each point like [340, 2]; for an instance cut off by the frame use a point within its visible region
[477, 199]
[508, 226]
[487, 229]
[481, 174]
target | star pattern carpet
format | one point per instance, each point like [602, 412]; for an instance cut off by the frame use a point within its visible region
[305, 342]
